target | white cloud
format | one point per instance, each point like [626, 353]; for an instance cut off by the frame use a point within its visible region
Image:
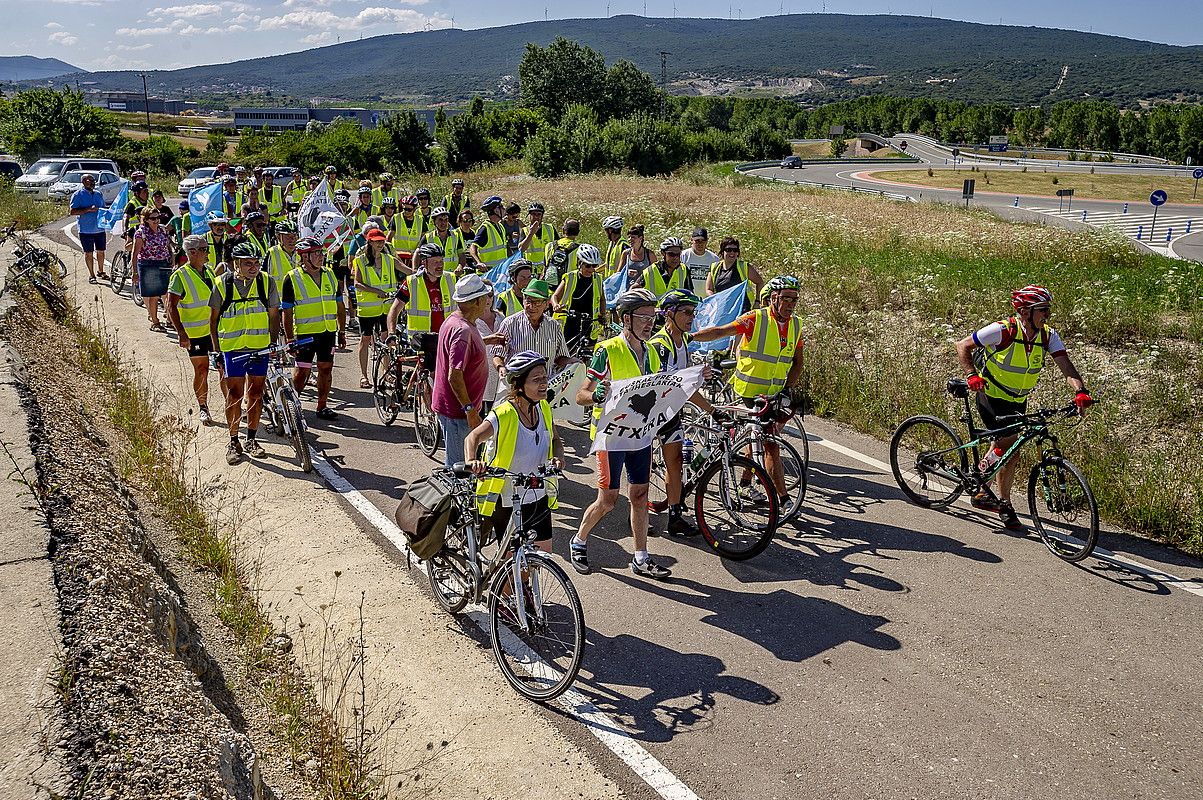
[318, 38]
[53, 26]
[187, 12]
[128, 48]
[404, 19]
[64, 38]
[144, 31]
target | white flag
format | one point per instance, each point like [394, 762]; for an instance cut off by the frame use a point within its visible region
[639, 407]
[319, 217]
[565, 384]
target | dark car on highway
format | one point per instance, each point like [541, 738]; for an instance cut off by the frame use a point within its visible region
[791, 162]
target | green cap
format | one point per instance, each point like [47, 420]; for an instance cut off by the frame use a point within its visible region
[537, 288]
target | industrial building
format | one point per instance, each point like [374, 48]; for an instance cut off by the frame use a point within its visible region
[289, 119]
[134, 101]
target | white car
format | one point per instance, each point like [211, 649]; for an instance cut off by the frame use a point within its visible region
[107, 183]
[197, 178]
[38, 179]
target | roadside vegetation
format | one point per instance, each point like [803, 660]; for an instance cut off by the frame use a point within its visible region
[28, 213]
[1041, 181]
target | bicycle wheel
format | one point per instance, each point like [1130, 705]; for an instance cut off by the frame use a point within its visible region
[384, 387]
[119, 272]
[541, 659]
[928, 460]
[53, 264]
[52, 294]
[291, 411]
[1063, 509]
[735, 503]
[449, 573]
[795, 476]
[426, 425]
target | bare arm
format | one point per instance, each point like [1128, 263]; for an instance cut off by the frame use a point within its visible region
[965, 349]
[394, 314]
[455, 378]
[288, 334]
[1072, 377]
[478, 436]
[273, 323]
[754, 277]
[717, 332]
[173, 316]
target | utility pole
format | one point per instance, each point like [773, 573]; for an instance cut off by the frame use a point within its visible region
[146, 104]
[664, 83]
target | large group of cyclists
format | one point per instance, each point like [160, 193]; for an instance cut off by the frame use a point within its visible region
[267, 309]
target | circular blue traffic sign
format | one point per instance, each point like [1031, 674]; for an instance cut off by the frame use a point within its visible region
[1158, 197]
[1198, 174]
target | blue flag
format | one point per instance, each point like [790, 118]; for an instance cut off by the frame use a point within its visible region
[106, 218]
[719, 309]
[200, 202]
[499, 275]
[615, 285]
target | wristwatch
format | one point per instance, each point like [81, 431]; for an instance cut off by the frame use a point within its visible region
[468, 408]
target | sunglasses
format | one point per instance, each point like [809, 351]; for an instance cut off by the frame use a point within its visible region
[732, 250]
[644, 317]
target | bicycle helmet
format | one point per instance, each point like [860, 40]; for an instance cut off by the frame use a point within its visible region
[672, 241]
[245, 250]
[612, 224]
[457, 181]
[519, 365]
[138, 175]
[632, 299]
[308, 244]
[331, 168]
[388, 202]
[783, 282]
[678, 297]
[588, 254]
[216, 216]
[536, 206]
[140, 186]
[386, 176]
[491, 202]
[439, 211]
[364, 190]
[422, 193]
[517, 266]
[409, 200]
[1031, 296]
[286, 227]
[342, 194]
[429, 250]
[183, 205]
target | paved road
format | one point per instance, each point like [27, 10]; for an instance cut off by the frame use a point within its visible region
[875, 649]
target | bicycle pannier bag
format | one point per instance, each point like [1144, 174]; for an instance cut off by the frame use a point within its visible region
[423, 514]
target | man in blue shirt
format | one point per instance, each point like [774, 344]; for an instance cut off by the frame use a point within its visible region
[84, 204]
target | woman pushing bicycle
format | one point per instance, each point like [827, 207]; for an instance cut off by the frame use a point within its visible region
[1002, 362]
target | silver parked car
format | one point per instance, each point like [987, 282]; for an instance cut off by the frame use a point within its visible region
[195, 179]
[107, 183]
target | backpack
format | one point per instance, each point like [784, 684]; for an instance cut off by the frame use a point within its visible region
[424, 513]
[227, 294]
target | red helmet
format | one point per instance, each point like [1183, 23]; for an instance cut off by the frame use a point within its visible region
[1031, 296]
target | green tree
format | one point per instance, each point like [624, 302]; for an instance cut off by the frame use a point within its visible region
[465, 142]
[629, 91]
[565, 72]
[644, 144]
[215, 150]
[838, 145]
[408, 141]
[477, 106]
[42, 122]
[440, 119]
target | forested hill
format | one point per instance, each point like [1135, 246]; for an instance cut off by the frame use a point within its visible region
[841, 56]
[24, 68]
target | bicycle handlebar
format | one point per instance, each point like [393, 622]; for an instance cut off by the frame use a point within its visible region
[273, 349]
[548, 470]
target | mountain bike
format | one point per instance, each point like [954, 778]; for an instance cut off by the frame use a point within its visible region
[281, 402]
[536, 622]
[933, 466]
[735, 501]
[120, 271]
[24, 248]
[389, 377]
[32, 269]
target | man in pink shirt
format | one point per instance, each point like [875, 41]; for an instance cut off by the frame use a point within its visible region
[461, 369]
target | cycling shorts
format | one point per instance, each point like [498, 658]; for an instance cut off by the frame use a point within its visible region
[255, 367]
[321, 349]
[610, 463]
[992, 408]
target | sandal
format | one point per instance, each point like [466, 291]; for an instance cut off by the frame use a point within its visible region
[92, 279]
[157, 327]
[364, 383]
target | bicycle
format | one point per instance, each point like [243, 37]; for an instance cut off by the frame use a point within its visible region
[735, 501]
[933, 466]
[389, 359]
[536, 623]
[753, 435]
[282, 404]
[24, 249]
[413, 385]
[121, 271]
[29, 268]
[581, 348]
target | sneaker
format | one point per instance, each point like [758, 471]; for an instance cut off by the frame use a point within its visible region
[1010, 520]
[205, 417]
[254, 449]
[985, 502]
[325, 412]
[579, 556]
[680, 526]
[657, 506]
[752, 494]
[650, 569]
[234, 452]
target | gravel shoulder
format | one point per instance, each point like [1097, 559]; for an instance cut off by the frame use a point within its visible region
[448, 724]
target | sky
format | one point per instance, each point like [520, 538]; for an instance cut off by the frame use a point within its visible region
[154, 34]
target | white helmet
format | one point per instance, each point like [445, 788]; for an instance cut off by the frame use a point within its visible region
[612, 224]
[672, 241]
[588, 254]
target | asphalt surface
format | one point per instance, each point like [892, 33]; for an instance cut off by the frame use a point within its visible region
[1130, 217]
[874, 650]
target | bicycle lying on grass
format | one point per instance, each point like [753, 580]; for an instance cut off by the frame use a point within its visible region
[25, 249]
[933, 466]
[536, 623]
[35, 270]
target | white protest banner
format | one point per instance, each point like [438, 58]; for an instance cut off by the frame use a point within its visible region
[639, 407]
[319, 217]
[565, 384]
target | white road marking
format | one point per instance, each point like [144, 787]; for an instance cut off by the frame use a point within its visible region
[1101, 553]
[601, 725]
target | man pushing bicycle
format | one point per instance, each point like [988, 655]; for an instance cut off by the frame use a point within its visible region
[1003, 362]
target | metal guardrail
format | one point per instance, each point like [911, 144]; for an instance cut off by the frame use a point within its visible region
[1131, 159]
[742, 169]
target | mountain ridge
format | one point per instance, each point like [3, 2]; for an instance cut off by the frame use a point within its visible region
[846, 55]
[24, 68]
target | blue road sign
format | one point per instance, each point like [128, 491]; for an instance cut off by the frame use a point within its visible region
[1197, 174]
[1158, 197]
